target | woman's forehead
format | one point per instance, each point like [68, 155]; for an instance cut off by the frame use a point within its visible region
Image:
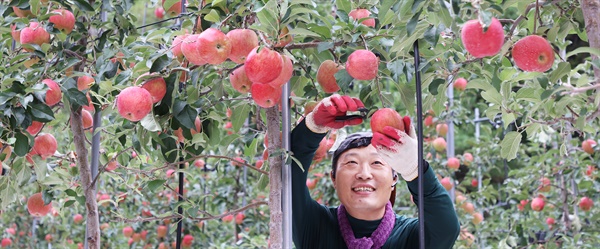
[368, 151]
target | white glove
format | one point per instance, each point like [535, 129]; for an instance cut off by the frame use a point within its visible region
[399, 150]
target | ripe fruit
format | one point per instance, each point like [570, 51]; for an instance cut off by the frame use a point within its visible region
[533, 53]
[48, 238]
[44, 145]
[386, 117]
[36, 207]
[63, 20]
[87, 120]
[428, 121]
[286, 73]
[550, 221]
[265, 95]
[6, 242]
[362, 65]
[176, 45]
[590, 170]
[441, 129]
[263, 65]
[239, 80]
[460, 84]
[161, 231]
[5, 152]
[22, 12]
[128, 231]
[187, 241]
[358, 14]
[35, 127]
[237, 161]
[54, 94]
[214, 46]
[311, 184]
[34, 34]
[467, 158]
[477, 218]
[134, 103]
[190, 47]
[157, 87]
[522, 204]
[239, 218]
[310, 106]
[112, 165]
[159, 12]
[16, 34]
[447, 183]
[545, 184]
[453, 163]
[174, 9]
[439, 144]
[588, 146]
[78, 218]
[468, 207]
[326, 76]
[199, 163]
[585, 203]
[242, 42]
[84, 82]
[227, 218]
[259, 163]
[537, 204]
[474, 183]
[479, 43]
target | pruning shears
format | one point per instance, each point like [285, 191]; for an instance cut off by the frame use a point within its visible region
[362, 113]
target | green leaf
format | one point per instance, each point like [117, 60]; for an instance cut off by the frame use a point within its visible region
[343, 79]
[239, 116]
[304, 32]
[169, 148]
[76, 98]
[71, 192]
[149, 123]
[492, 96]
[344, 5]
[68, 203]
[431, 35]
[21, 144]
[154, 184]
[412, 24]
[184, 114]
[160, 63]
[562, 69]
[433, 87]
[322, 46]
[41, 112]
[212, 16]
[84, 5]
[510, 145]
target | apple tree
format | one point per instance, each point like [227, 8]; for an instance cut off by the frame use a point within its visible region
[181, 117]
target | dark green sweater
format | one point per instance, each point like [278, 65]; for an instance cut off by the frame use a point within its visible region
[316, 226]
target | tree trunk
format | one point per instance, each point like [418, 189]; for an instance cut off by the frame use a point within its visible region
[591, 12]
[92, 219]
[275, 188]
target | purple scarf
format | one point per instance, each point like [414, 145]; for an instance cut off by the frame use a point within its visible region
[378, 237]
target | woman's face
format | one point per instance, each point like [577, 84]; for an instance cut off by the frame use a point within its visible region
[363, 182]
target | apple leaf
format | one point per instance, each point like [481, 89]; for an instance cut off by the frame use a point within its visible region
[322, 46]
[41, 112]
[344, 5]
[212, 16]
[149, 123]
[160, 63]
[412, 24]
[510, 145]
[184, 114]
[21, 144]
[562, 69]
[154, 184]
[84, 5]
[169, 148]
[239, 116]
[343, 79]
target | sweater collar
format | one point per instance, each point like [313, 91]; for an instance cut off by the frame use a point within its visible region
[377, 238]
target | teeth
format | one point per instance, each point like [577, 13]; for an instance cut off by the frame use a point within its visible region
[364, 189]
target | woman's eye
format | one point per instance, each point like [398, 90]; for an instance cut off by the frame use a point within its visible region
[378, 162]
[351, 162]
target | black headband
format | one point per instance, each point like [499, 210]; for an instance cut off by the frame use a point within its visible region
[354, 140]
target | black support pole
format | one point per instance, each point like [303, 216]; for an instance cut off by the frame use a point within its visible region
[421, 202]
[181, 159]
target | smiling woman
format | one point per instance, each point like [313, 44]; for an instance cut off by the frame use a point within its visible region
[364, 177]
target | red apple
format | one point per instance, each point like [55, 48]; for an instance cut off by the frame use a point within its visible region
[479, 43]
[199, 163]
[54, 94]
[265, 95]
[227, 218]
[190, 47]
[259, 163]
[16, 34]
[362, 65]
[34, 34]
[157, 87]
[263, 65]
[159, 12]
[358, 14]
[187, 241]
[477, 218]
[550, 221]
[86, 118]
[460, 84]
[467, 158]
[588, 146]
[474, 183]
[428, 121]
[545, 185]
[310, 106]
[239, 80]
[522, 204]
[447, 183]
[6, 242]
[239, 218]
[35, 127]
[441, 129]
[286, 73]
[326, 76]
[214, 46]
[63, 20]
[585, 203]
[84, 82]
[176, 45]
[386, 117]
[48, 238]
[439, 144]
[311, 183]
[537, 204]
[22, 12]
[533, 53]
[127, 231]
[590, 170]
[174, 9]
[242, 43]
[36, 206]
[161, 231]
[112, 165]
[77, 218]
[44, 145]
[134, 103]
[453, 163]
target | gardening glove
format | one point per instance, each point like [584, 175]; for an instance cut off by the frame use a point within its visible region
[399, 149]
[323, 118]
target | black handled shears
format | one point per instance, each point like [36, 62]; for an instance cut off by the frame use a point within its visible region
[363, 112]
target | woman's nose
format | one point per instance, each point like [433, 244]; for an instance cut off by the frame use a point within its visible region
[364, 172]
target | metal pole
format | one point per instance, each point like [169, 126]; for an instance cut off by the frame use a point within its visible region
[181, 165]
[286, 170]
[421, 202]
[450, 134]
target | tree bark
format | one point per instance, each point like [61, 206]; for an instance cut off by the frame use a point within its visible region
[92, 219]
[591, 12]
[275, 185]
